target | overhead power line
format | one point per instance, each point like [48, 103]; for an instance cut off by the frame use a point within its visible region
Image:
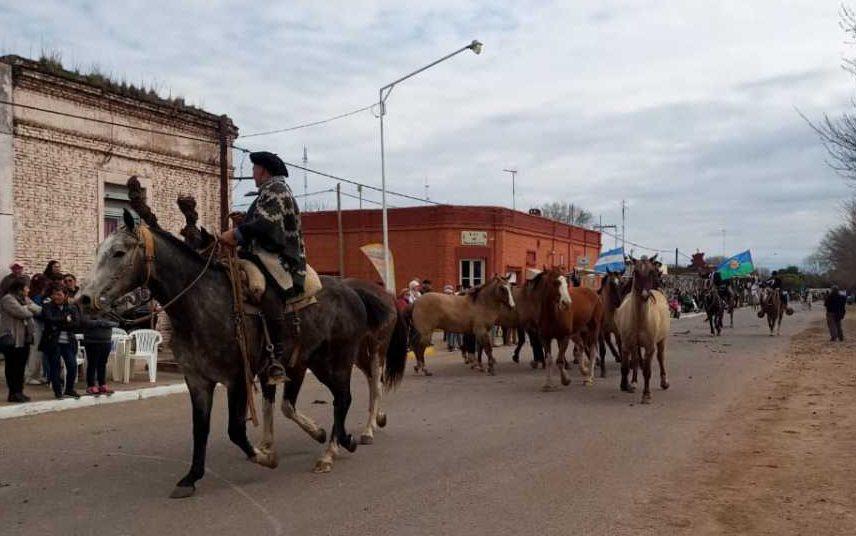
[310, 124]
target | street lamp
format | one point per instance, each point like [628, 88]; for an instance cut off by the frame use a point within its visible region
[513, 193]
[383, 94]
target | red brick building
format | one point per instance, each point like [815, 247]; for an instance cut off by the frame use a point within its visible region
[450, 245]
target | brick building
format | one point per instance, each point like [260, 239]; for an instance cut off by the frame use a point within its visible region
[448, 244]
[62, 177]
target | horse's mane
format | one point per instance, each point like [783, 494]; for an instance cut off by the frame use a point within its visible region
[475, 291]
[183, 247]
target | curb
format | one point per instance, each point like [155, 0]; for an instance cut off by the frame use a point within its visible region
[48, 406]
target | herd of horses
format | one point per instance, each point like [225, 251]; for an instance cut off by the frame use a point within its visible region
[356, 323]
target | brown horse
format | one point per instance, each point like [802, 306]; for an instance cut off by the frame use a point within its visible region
[643, 324]
[774, 308]
[475, 312]
[388, 340]
[610, 295]
[562, 313]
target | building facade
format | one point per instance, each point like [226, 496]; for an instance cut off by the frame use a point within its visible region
[450, 245]
[69, 143]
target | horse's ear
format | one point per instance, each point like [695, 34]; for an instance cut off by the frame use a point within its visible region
[654, 258]
[129, 219]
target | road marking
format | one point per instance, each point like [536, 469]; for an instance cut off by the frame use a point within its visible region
[47, 406]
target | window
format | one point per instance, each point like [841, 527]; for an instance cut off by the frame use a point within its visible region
[531, 258]
[472, 272]
[115, 202]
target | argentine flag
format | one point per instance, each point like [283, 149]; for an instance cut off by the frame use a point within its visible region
[612, 260]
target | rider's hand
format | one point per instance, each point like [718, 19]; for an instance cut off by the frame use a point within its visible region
[228, 238]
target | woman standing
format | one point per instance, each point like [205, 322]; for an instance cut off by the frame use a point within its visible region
[58, 342]
[37, 371]
[53, 271]
[97, 339]
[16, 335]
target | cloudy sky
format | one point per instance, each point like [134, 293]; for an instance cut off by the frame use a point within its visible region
[688, 110]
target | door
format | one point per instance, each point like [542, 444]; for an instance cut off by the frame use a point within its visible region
[472, 272]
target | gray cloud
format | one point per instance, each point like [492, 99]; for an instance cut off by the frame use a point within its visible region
[685, 110]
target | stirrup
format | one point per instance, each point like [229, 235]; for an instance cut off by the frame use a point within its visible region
[276, 374]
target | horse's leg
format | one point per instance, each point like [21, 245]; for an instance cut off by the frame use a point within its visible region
[289, 406]
[422, 344]
[646, 375]
[590, 347]
[560, 359]
[373, 375]
[626, 358]
[268, 401]
[476, 363]
[237, 397]
[521, 339]
[537, 349]
[201, 394]
[339, 384]
[637, 360]
[616, 348]
[484, 339]
[661, 359]
[548, 365]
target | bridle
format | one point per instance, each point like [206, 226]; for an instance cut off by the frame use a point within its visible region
[146, 240]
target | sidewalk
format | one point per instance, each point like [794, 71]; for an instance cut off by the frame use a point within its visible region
[43, 400]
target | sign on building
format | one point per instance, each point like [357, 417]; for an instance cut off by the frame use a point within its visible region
[473, 238]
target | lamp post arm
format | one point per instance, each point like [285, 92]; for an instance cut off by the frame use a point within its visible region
[414, 73]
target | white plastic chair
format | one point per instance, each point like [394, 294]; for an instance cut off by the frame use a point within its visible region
[146, 343]
[119, 348]
[81, 355]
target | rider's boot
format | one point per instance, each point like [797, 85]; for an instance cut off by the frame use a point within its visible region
[285, 332]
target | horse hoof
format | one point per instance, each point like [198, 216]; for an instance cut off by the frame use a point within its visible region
[416, 369]
[491, 370]
[533, 364]
[664, 384]
[266, 458]
[182, 492]
[646, 398]
[515, 358]
[381, 419]
[588, 382]
[426, 372]
[549, 388]
[566, 380]
[322, 466]
[350, 444]
[576, 361]
[321, 436]
[631, 388]
[366, 439]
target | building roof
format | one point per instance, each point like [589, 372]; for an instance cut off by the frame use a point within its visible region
[106, 86]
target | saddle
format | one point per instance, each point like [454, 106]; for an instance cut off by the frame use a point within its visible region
[254, 284]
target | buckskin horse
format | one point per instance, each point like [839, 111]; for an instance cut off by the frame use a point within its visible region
[475, 312]
[198, 300]
[643, 324]
[562, 313]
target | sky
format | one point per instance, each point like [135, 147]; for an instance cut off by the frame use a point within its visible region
[689, 111]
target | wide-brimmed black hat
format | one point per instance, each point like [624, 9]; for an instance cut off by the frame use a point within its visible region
[271, 162]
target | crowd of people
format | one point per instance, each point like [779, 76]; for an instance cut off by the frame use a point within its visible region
[38, 326]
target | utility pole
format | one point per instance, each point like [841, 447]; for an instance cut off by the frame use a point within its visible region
[223, 127]
[427, 196]
[623, 224]
[723, 242]
[360, 195]
[600, 227]
[341, 231]
[305, 178]
[513, 187]
[676, 257]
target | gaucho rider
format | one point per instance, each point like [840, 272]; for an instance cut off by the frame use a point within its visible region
[271, 237]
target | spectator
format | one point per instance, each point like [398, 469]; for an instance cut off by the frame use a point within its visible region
[16, 335]
[58, 342]
[37, 370]
[71, 287]
[426, 286]
[53, 271]
[97, 340]
[17, 271]
[413, 291]
[836, 304]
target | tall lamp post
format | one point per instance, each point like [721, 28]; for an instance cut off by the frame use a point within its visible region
[513, 189]
[383, 94]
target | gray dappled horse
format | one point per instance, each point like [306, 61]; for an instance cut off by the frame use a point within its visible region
[204, 338]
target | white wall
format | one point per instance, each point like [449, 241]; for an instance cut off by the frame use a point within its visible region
[7, 235]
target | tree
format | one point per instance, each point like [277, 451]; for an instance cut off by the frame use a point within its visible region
[836, 254]
[839, 134]
[567, 213]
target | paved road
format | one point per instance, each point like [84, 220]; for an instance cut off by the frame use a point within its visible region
[464, 453]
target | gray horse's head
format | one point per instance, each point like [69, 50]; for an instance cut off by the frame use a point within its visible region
[120, 267]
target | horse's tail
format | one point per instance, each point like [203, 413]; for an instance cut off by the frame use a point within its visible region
[396, 353]
[377, 310]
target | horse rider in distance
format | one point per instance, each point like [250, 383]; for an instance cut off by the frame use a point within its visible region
[775, 282]
[271, 237]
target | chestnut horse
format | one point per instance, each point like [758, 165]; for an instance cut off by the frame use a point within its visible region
[610, 295]
[563, 313]
[475, 312]
[643, 324]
